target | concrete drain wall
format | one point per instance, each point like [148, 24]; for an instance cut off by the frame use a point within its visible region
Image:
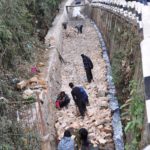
[113, 102]
[122, 37]
[53, 42]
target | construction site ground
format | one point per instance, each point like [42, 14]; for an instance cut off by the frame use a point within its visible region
[98, 117]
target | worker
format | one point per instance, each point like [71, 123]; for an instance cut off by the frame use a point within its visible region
[83, 135]
[79, 27]
[84, 143]
[88, 66]
[85, 96]
[66, 142]
[78, 98]
[62, 100]
[64, 24]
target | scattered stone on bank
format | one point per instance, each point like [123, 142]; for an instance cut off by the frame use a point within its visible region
[22, 84]
[33, 85]
[35, 82]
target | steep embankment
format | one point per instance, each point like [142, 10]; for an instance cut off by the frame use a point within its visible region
[22, 25]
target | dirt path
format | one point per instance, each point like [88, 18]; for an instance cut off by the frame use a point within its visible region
[98, 120]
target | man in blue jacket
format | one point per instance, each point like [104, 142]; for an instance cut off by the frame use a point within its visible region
[79, 98]
[85, 96]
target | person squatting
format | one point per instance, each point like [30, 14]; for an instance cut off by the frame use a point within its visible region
[62, 100]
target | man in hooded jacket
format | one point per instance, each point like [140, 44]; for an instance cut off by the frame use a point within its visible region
[88, 66]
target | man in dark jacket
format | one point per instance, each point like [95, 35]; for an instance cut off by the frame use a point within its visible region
[84, 143]
[78, 98]
[88, 65]
[79, 27]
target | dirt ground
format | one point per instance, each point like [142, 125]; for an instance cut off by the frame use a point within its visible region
[74, 45]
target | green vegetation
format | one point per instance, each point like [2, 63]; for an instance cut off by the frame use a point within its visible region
[20, 23]
[134, 113]
[124, 67]
[23, 26]
[125, 61]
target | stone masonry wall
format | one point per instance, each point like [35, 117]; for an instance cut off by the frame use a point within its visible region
[52, 71]
[123, 37]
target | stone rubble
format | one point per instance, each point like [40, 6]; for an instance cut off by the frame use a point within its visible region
[98, 117]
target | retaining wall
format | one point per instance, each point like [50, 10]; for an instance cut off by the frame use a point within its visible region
[52, 71]
[123, 37]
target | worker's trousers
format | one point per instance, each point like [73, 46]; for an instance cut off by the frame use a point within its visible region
[89, 74]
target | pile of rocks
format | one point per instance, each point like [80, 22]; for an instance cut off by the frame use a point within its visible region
[35, 84]
[97, 120]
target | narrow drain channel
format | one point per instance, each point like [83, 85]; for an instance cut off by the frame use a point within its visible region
[99, 119]
[113, 102]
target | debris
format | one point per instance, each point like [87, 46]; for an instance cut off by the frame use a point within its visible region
[18, 117]
[34, 70]
[33, 80]
[102, 141]
[22, 84]
[42, 82]
[104, 104]
[52, 41]
[101, 93]
[40, 64]
[15, 81]
[3, 99]
[27, 94]
[45, 138]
